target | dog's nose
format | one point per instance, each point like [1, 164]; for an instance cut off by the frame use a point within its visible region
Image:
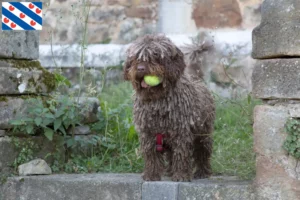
[141, 68]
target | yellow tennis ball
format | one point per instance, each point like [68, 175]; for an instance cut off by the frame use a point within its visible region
[152, 80]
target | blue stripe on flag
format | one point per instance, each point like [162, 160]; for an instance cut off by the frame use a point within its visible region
[16, 20]
[28, 12]
[38, 4]
[5, 27]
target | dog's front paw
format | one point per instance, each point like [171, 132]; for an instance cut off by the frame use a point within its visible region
[181, 178]
[147, 177]
[201, 175]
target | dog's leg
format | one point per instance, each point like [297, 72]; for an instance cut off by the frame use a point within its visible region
[153, 160]
[202, 154]
[182, 159]
[168, 158]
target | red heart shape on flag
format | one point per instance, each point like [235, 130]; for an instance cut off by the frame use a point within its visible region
[32, 23]
[13, 25]
[38, 11]
[11, 8]
[22, 15]
[6, 20]
[31, 6]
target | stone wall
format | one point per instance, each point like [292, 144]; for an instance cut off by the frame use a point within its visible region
[121, 21]
[276, 81]
[118, 21]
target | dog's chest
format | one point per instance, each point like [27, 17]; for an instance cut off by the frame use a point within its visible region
[160, 116]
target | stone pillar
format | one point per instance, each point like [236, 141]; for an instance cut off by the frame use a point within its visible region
[276, 80]
[21, 76]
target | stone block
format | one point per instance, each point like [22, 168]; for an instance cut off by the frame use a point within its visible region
[2, 133]
[9, 107]
[77, 187]
[216, 189]
[277, 173]
[272, 181]
[276, 79]
[19, 44]
[277, 35]
[24, 77]
[160, 190]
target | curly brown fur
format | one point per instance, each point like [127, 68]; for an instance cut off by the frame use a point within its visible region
[180, 107]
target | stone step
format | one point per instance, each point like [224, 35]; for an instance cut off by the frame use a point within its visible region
[121, 187]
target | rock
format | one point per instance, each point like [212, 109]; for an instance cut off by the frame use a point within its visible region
[277, 173]
[24, 77]
[217, 14]
[276, 78]
[277, 35]
[19, 44]
[34, 167]
[80, 130]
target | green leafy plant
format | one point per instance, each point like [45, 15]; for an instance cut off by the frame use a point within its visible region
[47, 117]
[292, 142]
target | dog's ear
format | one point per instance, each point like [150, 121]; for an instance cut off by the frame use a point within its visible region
[175, 66]
[126, 68]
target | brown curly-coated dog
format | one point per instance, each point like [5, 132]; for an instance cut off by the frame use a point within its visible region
[180, 108]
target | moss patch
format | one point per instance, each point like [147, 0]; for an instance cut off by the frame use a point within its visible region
[3, 98]
[47, 78]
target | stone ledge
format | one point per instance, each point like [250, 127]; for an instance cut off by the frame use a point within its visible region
[120, 187]
[276, 79]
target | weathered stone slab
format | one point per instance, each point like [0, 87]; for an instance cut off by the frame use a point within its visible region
[19, 44]
[216, 189]
[122, 187]
[160, 190]
[277, 35]
[276, 79]
[24, 77]
[278, 174]
[77, 187]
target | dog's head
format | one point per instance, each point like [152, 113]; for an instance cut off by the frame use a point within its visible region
[153, 55]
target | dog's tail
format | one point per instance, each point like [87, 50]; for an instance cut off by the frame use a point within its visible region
[193, 54]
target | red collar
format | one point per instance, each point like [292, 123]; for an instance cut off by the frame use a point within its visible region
[160, 142]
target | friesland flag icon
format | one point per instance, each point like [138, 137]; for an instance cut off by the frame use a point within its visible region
[22, 16]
